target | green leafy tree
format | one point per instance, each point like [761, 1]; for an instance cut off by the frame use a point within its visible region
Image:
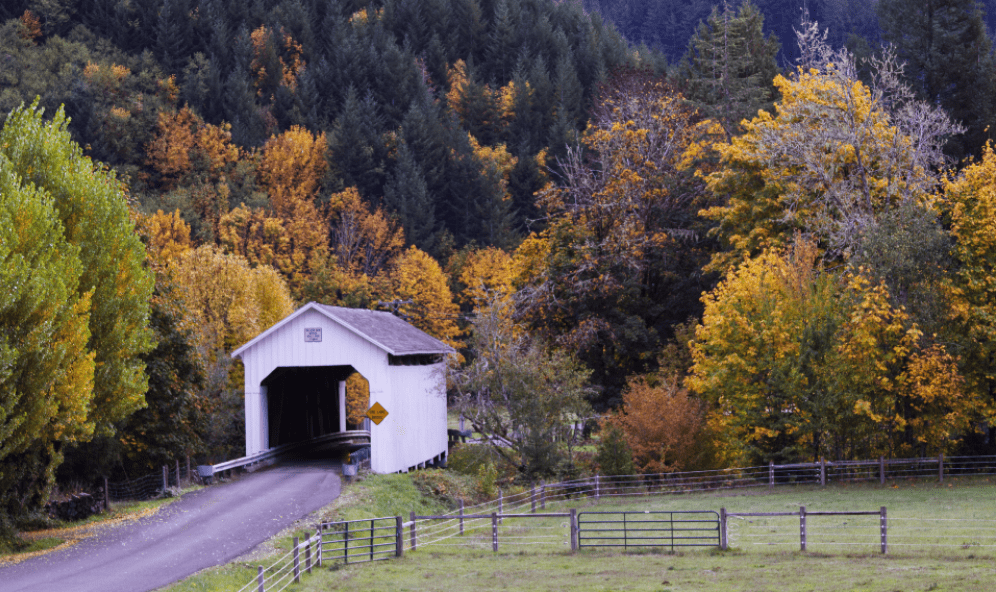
[46, 370]
[520, 395]
[95, 219]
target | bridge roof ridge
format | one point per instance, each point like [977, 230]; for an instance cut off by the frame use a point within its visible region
[386, 331]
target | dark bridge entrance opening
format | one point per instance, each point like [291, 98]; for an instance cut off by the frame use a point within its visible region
[303, 402]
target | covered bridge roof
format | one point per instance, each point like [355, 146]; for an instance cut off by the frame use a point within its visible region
[383, 329]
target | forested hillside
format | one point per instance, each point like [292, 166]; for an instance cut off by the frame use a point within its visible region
[757, 245]
[397, 89]
[946, 45]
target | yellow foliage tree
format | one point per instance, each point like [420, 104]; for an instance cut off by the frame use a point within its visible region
[291, 168]
[834, 155]
[230, 301]
[364, 241]
[420, 283]
[169, 235]
[970, 199]
[357, 398]
[798, 362]
[486, 272]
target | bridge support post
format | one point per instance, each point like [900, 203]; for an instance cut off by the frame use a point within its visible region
[342, 405]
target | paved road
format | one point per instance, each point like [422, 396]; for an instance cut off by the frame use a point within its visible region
[204, 528]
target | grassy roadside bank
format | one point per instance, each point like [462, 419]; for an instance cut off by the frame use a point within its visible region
[59, 535]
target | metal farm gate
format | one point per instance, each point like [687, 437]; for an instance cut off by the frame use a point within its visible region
[648, 529]
[358, 541]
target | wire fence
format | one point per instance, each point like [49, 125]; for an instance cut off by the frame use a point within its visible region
[303, 556]
[153, 485]
[438, 531]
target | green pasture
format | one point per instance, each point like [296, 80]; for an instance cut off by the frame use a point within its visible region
[941, 537]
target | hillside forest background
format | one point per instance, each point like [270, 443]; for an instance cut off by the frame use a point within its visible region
[735, 233]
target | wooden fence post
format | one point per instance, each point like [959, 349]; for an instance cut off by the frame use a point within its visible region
[165, 478]
[542, 495]
[399, 537]
[802, 527]
[318, 550]
[107, 495]
[494, 532]
[532, 499]
[372, 540]
[259, 579]
[178, 472]
[461, 516]
[884, 523]
[501, 503]
[307, 556]
[940, 467]
[297, 560]
[771, 473]
[881, 470]
[414, 541]
[723, 544]
[597, 489]
[574, 530]
[823, 472]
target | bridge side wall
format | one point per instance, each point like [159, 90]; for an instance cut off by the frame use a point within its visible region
[418, 413]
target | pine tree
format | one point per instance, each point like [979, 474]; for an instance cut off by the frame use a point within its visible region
[949, 61]
[407, 196]
[730, 66]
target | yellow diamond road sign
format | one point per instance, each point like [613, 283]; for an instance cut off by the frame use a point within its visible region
[377, 413]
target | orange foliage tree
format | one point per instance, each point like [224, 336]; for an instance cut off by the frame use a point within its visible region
[661, 423]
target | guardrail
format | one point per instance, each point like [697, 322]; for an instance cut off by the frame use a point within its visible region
[208, 471]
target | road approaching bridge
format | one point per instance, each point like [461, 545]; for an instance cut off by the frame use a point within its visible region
[205, 528]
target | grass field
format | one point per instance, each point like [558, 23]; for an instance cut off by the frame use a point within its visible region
[941, 538]
[843, 552]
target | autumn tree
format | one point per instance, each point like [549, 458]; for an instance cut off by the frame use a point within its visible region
[835, 154]
[619, 263]
[168, 235]
[230, 301]
[196, 164]
[662, 424]
[970, 202]
[426, 301]
[798, 362]
[486, 273]
[290, 169]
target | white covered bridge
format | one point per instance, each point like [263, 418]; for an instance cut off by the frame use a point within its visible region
[295, 383]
